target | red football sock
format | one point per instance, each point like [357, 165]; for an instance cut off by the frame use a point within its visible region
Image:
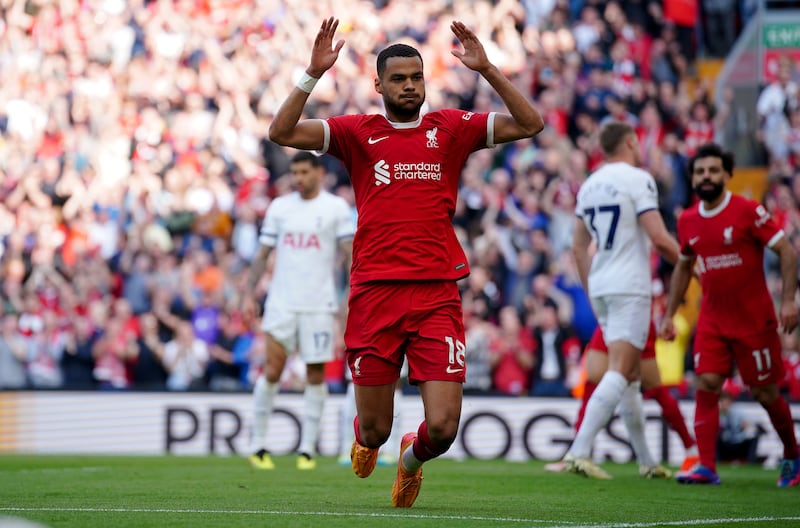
[706, 426]
[424, 448]
[781, 417]
[588, 389]
[671, 412]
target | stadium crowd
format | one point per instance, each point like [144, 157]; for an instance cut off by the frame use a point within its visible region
[136, 170]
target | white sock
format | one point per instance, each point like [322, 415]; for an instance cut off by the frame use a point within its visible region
[314, 397]
[599, 410]
[347, 416]
[410, 461]
[392, 445]
[631, 409]
[263, 401]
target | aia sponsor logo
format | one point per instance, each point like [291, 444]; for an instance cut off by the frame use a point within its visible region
[301, 241]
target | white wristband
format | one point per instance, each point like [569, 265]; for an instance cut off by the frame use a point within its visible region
[307, 82]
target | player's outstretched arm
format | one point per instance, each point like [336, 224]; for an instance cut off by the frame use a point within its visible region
[286, 128]
[681, 275]
[525, 120]
[663, 241]
[788, 259]
[581, 242]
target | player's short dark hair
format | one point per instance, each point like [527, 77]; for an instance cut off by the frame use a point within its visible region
[712, 150]
[305, 155]
[395, 50]
[612, 136]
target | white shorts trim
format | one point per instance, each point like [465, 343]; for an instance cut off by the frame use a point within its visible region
[310, 334]
[624, 317]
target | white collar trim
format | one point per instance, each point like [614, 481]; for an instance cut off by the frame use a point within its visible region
[706, 213]
[413, 124]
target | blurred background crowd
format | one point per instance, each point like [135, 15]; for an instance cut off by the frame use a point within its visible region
[135, 171]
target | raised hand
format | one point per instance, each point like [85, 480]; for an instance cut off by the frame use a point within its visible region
[474, 56]
[324, 53]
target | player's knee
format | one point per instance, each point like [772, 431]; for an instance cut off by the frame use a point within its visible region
[375, 436]
[443, 432]
[273, 374]
[765, 396]
[710, 382]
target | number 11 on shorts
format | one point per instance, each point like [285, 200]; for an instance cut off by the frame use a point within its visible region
[766, 363]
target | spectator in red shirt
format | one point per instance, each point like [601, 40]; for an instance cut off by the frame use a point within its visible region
[511, 354]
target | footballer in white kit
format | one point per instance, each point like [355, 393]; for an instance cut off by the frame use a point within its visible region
[609, 203]
[301, 301]
[304, 229]
[617, 210]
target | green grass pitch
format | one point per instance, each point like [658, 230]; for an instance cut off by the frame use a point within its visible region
[171, 491]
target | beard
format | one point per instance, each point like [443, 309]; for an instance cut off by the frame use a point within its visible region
[403, 111]
[708, 191]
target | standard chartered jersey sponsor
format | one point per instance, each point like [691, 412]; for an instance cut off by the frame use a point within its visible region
[417, 171]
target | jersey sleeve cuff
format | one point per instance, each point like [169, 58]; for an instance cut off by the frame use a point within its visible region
[643, 211]
[490, 130]
[326, 138]
[268, 240]
[775, 238]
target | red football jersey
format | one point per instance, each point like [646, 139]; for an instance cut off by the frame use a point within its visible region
[729, 243]
[405, 178]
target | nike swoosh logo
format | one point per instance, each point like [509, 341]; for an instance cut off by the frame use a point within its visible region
[762, 377]
[373, 141]
[451, 370]
[693, 240]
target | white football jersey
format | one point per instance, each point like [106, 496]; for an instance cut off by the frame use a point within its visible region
[305, 235]
[609, 203]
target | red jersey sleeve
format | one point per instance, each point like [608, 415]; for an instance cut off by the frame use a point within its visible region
[762, 226]
[340, 141]
[683, 239]
[474, 131]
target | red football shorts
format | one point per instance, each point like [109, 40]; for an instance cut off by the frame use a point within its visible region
[421, 320]
[757, 356]
[599, 344]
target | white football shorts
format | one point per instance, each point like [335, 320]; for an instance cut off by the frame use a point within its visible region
[623, 317]
[309, 333]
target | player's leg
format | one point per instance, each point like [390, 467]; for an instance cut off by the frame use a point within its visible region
[279, 332]
[706, 418]
[436, 363]
[781, 418]
[374, 339]
[761, 367]
[314, 395]
[625, 320]
[654, 390]
[442, 402]
[435, 435]
[596, 366]
[316, 338]
[372, 425]
[632, 414]
[713, 362]
[389, 450]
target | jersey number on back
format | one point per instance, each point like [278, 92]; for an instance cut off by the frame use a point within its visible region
[613, 210]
